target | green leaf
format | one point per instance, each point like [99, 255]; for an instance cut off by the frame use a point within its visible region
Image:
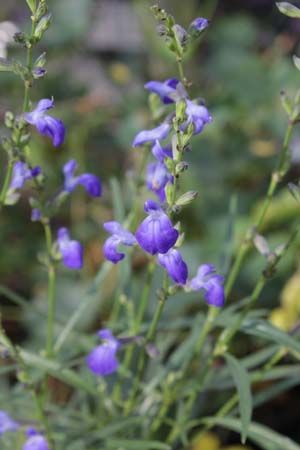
[116, 427]
[6, 65]
[32, 5]
[136, 444]
[267, 331]
[274, 390]
[243, 384]
[288, 9]
[58, 371]
[296, 61]
[263, 436]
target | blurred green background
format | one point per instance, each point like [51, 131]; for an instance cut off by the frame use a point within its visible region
[100, 53]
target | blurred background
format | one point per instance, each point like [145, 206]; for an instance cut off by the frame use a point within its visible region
[100, 53]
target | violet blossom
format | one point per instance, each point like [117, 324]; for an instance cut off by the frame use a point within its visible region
[199, 24]
[156, 233]
[175, 266]
[119, 236]
[102, 360]
[212, 284]
[90, 182]
[7, 423]
[157, 176]
[47, 125]
[159, 133]
[160, 153]
[166, 90]
[71, 250]
[22, 173]
[198, 115]
[35, 441]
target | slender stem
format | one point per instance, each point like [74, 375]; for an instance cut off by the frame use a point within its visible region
[223, 341]
[143, 355]
[6, 181]
[135, 329]
[51, 293]
[180, 69]
[246, 245]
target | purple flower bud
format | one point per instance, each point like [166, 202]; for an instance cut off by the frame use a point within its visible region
[6, 423]
[71, 251]
[159, 133]
[90, 182]
[35, 441]
[47, 125]
[175, 266]
[102, 360]
[119, 236]
[157, 176]
[166, 90]
[21, 173]
[35, 215]
[198, 115]
[160, 153]
[156, 233]
[208, 280]
[199, 24]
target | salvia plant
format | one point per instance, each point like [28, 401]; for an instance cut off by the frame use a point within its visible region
[146, 382]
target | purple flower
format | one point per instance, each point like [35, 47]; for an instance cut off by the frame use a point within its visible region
[160, 153]
[199, 24]
[165, 89]
[71, 251]
[119, 236]
[21, 173]
[6, 423]
[208, 280]
[175, 266]
[157, 133]
[156, 233]
[90, 182]
[45, 124]
[157, 176]
[198, 115]
[102, 360]
[35, 441]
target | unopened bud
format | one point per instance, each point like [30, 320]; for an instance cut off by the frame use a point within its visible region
[42, 26]
[9, 119]
[182, 166]
[186, 198]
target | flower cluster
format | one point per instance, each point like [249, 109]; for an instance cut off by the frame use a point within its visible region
[69, 250]
[34, 439]
[156, 234]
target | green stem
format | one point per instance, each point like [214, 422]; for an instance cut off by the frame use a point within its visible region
[246, 245]
[180, 69]
[135, 329]
[143, 355]
[51, 293]
[6, 181]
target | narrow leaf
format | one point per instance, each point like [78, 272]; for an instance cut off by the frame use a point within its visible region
[267, 331]
[288, 9]
[6, 65]
[242, 381]
[58, 371]
[263, 436]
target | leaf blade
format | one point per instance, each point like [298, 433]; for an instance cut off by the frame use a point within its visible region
[243, 384]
